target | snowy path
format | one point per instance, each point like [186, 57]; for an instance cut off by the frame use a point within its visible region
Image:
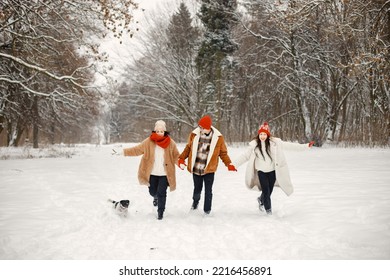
[56, 208]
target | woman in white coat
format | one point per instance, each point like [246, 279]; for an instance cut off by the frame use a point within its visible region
[267, 165]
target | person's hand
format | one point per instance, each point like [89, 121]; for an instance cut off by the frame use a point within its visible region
[231, 167]
[311, 143]
[181, 163]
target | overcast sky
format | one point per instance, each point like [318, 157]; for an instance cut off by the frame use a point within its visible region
[120, 51]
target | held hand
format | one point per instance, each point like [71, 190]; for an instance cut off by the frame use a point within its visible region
[181, 164]
[311, 144]
[231, 167]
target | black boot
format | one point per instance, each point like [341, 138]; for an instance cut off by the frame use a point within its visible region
[160, 215]
[194, 205]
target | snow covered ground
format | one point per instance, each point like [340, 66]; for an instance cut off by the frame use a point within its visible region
[56, 209]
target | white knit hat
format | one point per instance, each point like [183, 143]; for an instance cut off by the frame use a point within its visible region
[160, 124]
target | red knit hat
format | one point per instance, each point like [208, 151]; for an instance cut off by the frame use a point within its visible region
[264, 128]
[205, 122]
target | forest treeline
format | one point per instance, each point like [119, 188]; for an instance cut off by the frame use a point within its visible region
[315, 70]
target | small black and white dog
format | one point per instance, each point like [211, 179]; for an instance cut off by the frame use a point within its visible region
[121, 207]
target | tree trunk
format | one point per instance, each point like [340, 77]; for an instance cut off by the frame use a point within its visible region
[35, 122]
[2, 123]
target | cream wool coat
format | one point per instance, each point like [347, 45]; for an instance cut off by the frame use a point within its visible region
[218, 150]
[283, 179]
[147, 150]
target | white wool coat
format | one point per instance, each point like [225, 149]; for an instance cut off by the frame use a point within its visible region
[283, 179]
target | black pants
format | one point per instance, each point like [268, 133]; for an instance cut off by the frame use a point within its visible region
[208, 180]
[267, 182]
[158, 187]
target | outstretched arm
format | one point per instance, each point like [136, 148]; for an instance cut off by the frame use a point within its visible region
[187, 148]
[135, 151]
[296, 146]
[243, 157]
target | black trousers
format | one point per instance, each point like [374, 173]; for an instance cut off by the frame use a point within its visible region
[158, 187]
[208, 180]
[267, 182]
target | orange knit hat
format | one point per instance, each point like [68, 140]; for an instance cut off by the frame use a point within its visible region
[205, 122]
[264, 128]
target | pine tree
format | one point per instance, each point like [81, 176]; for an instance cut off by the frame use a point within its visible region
[214, 57]
[181, 34]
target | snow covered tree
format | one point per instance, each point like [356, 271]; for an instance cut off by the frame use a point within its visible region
[215, 62]
[325, 63]
[47, 59]
[162, 83]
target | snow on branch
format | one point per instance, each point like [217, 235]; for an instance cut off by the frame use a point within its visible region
[72, 79]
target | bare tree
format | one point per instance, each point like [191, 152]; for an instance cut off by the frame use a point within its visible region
[46, 55]
[163, 81]
[325, 59]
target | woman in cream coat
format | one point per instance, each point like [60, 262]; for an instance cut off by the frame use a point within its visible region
[267, 165]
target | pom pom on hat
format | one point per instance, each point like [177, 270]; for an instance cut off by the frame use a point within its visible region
[160, 125]
[205, 122]
[264, 128]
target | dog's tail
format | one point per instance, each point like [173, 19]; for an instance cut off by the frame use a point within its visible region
[112, 201]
